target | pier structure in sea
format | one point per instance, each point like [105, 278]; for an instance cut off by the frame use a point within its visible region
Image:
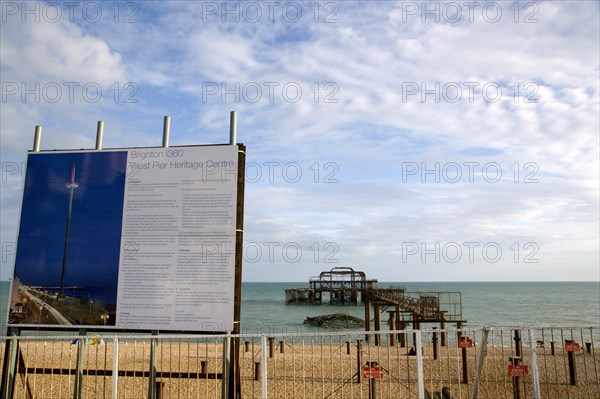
[338, 286]
[346, 286]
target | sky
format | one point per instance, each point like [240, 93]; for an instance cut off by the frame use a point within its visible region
[438, 141]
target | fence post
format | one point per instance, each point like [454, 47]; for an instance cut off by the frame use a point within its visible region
[533, 364]
[79, 367]
[515, 361]
[9, 376]
[152, 376]
[358, 360]
[465, 364]
[571, 358]
[159, 388]
[518, 344]
[256, 371]
[263, 345]
[271, 346]
[420, 378]
[373, 382]
[115, 367]
[482, 353]
[377, 310]
[226, 362]
[434, 341]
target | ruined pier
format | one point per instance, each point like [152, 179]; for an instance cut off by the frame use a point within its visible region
[346, 286]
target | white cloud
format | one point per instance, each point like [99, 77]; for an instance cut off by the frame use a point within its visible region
[370, 58]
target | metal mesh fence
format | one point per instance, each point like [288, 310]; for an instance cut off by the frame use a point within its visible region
[498, 362]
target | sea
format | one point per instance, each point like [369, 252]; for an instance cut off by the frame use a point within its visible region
[526, 304]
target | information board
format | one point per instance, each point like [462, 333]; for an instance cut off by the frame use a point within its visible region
[140, 239]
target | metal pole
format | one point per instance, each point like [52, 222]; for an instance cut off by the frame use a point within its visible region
[235, 387]
[9, 368]
[434, 341]
[482, 353]
[263, 344]
[367, 319]
[517, 361]
[152, 371]
[358, 360]
[534, 368]
[233, 128]
[226, 362]
[271, 347]
[115, 367]
[570, 344]
[420, 377]
[99, 135]
[373, 382]
[465, 364]
[37, 139]
[256, 371]
[79, 367]
[166, 131]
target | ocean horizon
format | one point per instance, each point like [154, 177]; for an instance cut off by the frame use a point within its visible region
[510, 303]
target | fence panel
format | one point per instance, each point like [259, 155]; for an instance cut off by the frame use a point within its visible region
[325, 365]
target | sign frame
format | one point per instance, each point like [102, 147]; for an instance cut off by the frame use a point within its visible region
[235, 245]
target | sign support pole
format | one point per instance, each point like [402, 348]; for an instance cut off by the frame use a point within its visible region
[99, 135]
[166, 131]
[233, 128]
[37, 139]
[235, 381]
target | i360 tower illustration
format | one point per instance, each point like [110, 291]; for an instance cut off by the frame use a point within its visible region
[71, 185]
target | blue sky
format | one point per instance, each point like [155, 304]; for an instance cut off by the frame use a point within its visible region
[445, 142]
